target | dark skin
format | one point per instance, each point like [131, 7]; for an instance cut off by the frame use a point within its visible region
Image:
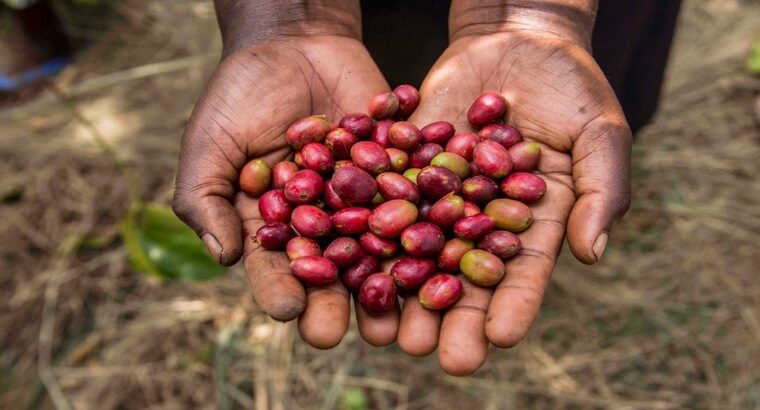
[538, 59]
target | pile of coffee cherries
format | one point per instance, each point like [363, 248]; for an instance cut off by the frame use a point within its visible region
[374, 187]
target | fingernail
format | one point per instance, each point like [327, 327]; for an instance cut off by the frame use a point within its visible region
[599, 245]
[213, 246]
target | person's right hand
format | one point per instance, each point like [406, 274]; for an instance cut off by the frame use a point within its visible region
[255, 94]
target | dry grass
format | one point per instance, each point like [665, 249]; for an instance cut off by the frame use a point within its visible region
[670, 319]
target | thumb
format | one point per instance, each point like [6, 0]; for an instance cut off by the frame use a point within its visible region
[601, 174]
[224, 131]
[209, 161]
[204, 188]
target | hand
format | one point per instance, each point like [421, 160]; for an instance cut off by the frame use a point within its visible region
[255, 94]
[558, 97]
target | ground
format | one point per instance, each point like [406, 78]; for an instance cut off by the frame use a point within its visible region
[669, 319]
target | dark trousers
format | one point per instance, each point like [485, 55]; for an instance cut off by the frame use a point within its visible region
[631, 43]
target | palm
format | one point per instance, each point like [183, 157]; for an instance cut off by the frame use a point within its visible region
[553, 87]
[259, 91]
[556, 93]
[253, 97]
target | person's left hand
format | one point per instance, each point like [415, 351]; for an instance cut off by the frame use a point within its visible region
[559, 97]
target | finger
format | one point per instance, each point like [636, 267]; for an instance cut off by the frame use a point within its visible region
[275, 289]
[418, 329]
[517, 298]
[463, 346]
[601, 171]
[325, 320]
[377, 330]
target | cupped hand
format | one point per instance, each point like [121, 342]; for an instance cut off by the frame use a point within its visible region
[252, 98]
[559, 97]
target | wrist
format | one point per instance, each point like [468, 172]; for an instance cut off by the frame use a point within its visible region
[247, 22]
[571, 20]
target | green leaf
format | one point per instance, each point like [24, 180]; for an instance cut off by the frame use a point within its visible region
[161, 245]
[753, 62]
[353, 398]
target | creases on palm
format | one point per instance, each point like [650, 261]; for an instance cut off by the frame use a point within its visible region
[558, 97]
[256, 93]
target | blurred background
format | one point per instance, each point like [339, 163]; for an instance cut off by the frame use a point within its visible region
[669, 319]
